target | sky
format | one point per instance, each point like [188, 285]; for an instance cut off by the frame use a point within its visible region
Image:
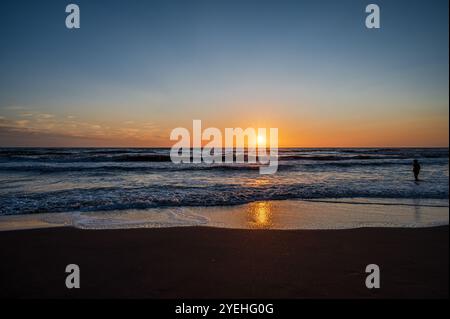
[137, 69]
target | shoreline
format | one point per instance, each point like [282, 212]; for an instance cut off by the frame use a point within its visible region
[344, 213]
[205, 262]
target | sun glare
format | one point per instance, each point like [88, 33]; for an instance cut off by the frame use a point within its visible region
[261, 140]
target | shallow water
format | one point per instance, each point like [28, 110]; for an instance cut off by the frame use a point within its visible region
[286, 214]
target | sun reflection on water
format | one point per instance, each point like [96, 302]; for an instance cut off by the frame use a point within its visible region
[259, 215]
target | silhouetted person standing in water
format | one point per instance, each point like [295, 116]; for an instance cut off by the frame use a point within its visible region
[416, 169]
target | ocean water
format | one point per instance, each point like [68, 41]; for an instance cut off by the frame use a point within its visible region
[50, 180]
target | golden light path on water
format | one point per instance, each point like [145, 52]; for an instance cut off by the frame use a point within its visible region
[260, 215]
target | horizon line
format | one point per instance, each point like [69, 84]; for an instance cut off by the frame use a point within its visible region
[282, 147]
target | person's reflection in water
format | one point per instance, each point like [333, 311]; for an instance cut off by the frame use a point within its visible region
[417, 210]
[416, 169]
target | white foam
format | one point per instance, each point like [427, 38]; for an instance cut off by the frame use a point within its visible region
[287, 214]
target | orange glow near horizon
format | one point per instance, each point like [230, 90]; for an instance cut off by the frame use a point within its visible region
[65, 131]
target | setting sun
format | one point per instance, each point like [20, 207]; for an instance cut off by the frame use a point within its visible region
[261, 140]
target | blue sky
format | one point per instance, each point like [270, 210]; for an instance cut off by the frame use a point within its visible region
[136, 69]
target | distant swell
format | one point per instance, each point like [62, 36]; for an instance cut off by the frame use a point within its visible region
[163, 155]
[282, 166]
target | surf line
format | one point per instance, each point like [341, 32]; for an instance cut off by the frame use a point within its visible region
[236, 141]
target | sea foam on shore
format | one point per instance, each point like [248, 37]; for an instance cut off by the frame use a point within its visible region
[287, 214]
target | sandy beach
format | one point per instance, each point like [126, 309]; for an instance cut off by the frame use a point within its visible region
[205, 262]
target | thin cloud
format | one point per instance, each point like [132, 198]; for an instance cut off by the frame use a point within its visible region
[22, 123]
[45, 116]
[26, 114]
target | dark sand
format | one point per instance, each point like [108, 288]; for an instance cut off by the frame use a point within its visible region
[223, 263]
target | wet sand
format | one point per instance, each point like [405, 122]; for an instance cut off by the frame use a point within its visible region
[282, 214]
[204, 262]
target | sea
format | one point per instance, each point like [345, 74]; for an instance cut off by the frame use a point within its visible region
[55, 180]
